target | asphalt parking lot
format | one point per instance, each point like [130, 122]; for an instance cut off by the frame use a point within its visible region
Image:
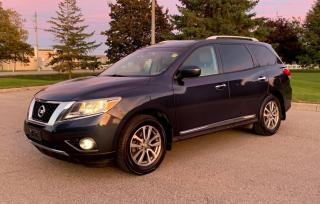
[232, 166]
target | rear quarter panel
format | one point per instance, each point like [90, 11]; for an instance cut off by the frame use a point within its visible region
[279, 82]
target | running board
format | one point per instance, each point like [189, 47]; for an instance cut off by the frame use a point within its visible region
[218, 124]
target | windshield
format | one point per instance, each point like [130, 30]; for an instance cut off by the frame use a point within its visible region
[146, 62]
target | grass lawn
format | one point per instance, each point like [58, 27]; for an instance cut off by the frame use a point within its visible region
[40, 80]
[306, 87]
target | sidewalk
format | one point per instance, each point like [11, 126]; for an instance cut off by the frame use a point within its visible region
[46, 72]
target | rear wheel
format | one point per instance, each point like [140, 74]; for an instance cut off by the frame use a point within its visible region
[142, 145]
[269, 117]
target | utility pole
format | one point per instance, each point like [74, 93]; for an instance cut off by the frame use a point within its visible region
[37, 39]
[153, 22]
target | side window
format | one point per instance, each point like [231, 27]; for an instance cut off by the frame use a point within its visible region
[263, 55]
[204, 58]
[235, 58]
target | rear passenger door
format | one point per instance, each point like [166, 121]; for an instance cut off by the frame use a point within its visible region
[248, 83]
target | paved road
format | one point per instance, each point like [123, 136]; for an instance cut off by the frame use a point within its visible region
[231, 166]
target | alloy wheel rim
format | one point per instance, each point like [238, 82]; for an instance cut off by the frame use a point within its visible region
[145, 145]
[271, 115]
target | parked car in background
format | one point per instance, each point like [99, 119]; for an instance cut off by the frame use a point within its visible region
[174, 90]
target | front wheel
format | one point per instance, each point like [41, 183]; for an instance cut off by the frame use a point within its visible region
[141, 147]
[269, 117]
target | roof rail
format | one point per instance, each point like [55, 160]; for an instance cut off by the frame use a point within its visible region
[232, 37]
[166, 41]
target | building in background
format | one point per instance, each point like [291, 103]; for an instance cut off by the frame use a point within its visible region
[103, 59]
[44, 59]
[32, 65]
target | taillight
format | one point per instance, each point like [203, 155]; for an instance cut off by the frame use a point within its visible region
[287, 71]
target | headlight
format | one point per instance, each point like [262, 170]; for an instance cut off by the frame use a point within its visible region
[29, 115]
[90, 108]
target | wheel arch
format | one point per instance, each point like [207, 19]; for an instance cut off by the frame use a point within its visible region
[160, 115]
[280, 97]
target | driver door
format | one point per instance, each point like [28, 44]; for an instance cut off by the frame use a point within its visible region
[202, 101]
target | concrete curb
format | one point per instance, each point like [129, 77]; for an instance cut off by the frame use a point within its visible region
[306, 107]
[22, 89]
[44, 72]
[295, 105]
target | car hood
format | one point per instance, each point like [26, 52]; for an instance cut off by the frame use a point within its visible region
[90, 88]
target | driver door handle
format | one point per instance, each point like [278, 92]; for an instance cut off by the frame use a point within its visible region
[263, 78]
[221, 86]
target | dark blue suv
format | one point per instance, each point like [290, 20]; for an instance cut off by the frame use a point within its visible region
[174, 90]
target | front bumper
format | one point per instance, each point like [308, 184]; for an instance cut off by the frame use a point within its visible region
[50, 150]
[61, 139]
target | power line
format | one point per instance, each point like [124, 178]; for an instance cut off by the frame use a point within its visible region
[32, 28]
[46, 30]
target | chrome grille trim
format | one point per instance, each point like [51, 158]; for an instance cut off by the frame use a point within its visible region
[62, 106]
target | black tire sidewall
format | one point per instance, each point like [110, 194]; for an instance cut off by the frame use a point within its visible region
[261, 119]
[133, 126]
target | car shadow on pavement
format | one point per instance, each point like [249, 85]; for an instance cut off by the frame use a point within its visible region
[182, 152]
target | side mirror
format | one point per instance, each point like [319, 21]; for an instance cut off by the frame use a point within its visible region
[189, 72]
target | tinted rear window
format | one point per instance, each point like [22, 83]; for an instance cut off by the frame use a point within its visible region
[263, 55]
[235, 58]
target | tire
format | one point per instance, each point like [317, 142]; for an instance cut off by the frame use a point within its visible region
[141, 151]
[269, 118]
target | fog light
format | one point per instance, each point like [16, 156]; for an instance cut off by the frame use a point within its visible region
[87, 143]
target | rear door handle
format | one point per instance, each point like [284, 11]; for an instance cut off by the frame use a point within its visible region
[262, 78]
[221, 86]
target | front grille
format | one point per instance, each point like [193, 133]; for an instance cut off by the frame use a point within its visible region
[43, 111]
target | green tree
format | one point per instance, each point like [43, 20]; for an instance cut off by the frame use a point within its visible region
[285, 36]
[73, 46]
[91, 63]
[13, 45]
[130, 27]
[200, 19]
[311, 37]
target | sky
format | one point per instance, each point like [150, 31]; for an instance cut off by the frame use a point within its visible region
[96, 14]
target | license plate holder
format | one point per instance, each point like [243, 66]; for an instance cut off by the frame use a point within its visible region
[35, 134]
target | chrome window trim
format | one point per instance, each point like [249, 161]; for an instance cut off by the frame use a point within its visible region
[218, 124]
[54, 117]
